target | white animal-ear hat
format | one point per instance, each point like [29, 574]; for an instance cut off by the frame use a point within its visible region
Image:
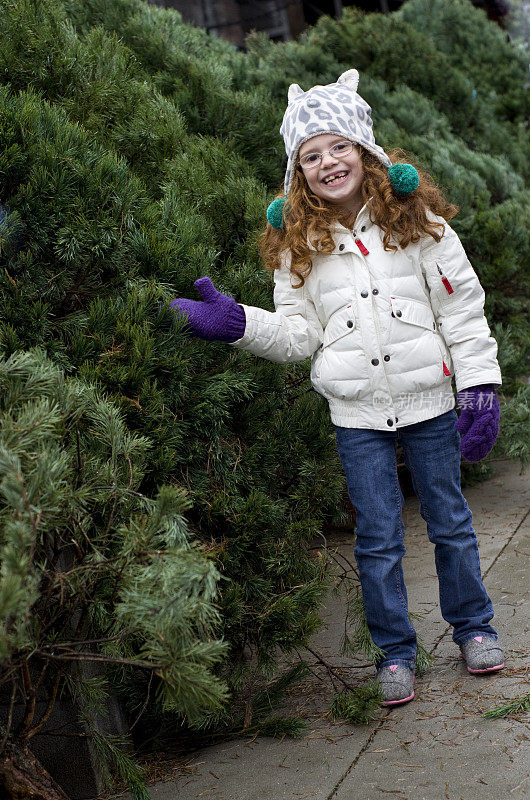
[335, 108]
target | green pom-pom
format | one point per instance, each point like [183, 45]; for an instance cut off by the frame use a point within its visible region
[275, 213]
[404, 178]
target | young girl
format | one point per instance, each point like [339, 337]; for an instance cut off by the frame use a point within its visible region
[375, 286]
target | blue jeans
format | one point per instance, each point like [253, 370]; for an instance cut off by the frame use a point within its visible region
[432, 455]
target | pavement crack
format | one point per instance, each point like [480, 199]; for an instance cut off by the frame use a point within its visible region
[499, 554]
[361, 752]
[507, 543]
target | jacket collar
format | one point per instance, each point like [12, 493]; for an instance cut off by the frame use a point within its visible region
[343, 235]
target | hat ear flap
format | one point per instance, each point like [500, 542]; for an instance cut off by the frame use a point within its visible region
[294, 91]
[350, 78]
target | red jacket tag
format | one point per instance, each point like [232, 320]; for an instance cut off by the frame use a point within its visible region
[447, 285]
[361, 247]
[446, 371]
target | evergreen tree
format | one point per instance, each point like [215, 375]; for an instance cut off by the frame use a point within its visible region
[92, 570]
[91, 252]
[137, 154]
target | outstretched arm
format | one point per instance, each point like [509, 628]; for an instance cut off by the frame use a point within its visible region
[291, 333]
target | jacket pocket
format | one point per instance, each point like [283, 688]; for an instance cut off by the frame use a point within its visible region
[339, 366]
[340, 324]
[447, 361]
[413, 312]
[421, 346]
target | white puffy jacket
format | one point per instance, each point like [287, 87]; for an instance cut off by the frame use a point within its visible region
[385, 330]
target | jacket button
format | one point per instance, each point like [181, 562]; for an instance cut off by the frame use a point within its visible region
[397, 420]
[375, 361]
[398, 313]
[364, 293]
[363, 228]
[389, 422]
[375, 291]
[392, 314]
[350, 323]
[341, 247]
[386, 358]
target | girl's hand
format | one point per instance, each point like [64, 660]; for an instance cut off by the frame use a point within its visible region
[217, 318]
[478, 423]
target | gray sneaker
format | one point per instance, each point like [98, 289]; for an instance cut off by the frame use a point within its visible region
[397, 684]
[482, 654]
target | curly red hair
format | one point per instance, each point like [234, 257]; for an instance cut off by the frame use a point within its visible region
[309, 218]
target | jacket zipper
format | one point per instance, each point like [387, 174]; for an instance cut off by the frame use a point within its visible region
[445, 281]
[446, 369]
[364, 251]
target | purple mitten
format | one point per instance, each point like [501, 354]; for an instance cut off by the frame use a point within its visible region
[478, 423]
[218, 318]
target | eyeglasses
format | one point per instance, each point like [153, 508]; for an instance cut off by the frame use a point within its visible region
[312, 160]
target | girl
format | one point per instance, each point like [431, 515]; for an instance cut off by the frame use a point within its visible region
[375, 286]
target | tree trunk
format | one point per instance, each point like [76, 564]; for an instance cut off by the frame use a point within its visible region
[22, 777]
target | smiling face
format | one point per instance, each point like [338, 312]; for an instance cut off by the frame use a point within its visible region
[344, 190]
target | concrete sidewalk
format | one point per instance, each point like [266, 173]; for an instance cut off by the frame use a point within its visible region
[439, 745]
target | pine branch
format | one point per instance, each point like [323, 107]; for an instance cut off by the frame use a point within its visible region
[146, 701]
[49, 709]
[31, 699]
[519, 705]
[84, 642]
[329, 668]
[358, 705]
[87, 656]
[424, 660]
[9, 720]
